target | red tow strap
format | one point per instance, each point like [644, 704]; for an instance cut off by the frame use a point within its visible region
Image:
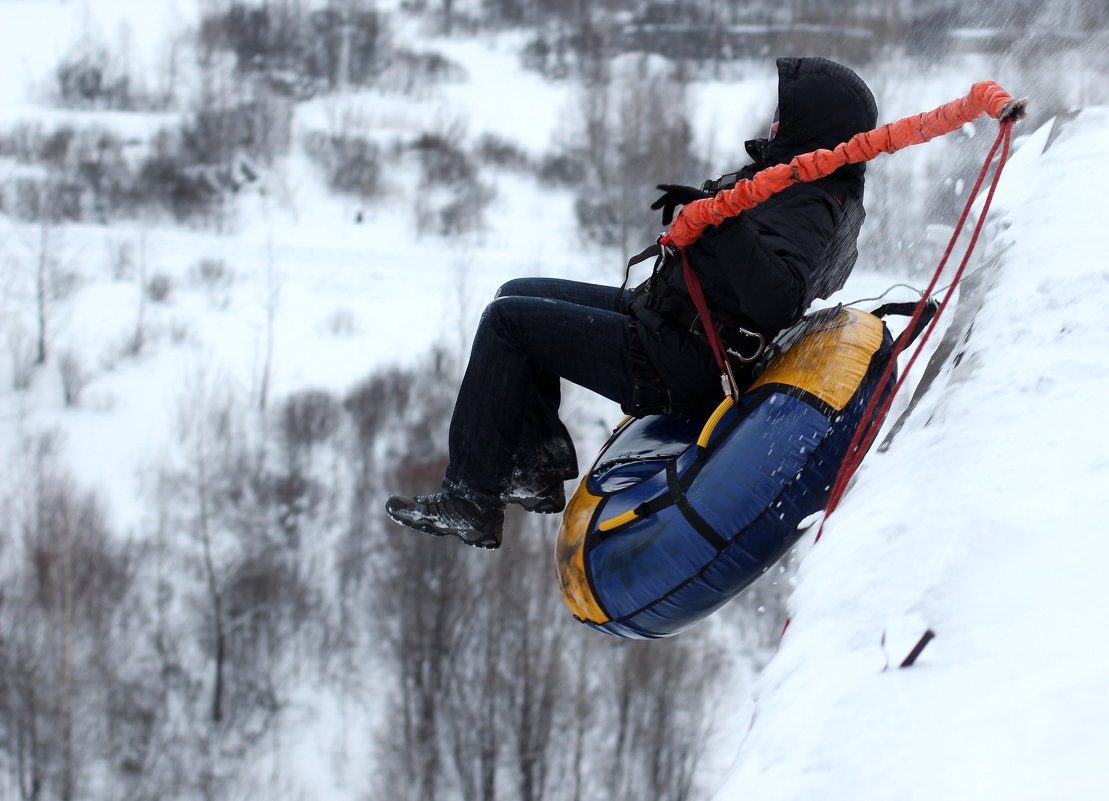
[697, 295]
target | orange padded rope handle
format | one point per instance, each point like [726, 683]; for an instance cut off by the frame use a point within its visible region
[985, 97]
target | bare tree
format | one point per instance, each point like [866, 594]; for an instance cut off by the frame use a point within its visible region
[271, 298]
[222, 495]
[44, 204]
[635, 133]
[138, 339]
[424, 602]
[66, 584]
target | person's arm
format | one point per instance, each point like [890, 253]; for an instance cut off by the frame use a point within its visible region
[771, 255]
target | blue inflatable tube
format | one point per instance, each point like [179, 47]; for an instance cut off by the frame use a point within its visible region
[676, 518]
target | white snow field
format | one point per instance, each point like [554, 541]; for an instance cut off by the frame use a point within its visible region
[985, 521]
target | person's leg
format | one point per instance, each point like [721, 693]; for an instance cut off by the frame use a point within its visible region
[597, 296]
[545, 457]
[522, 346]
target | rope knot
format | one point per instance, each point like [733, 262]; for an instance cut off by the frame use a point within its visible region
[1016, 109]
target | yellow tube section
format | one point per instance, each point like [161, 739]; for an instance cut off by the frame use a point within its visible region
[829, 367]
[570, 556]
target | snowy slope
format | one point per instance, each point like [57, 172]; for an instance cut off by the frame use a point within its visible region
[985, 522]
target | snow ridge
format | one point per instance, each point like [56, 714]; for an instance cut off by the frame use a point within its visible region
[981, 522]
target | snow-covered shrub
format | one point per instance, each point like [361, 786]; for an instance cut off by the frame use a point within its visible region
[547, 55]
[32, 200]
[408, 72]
[465, 212]
[300, 52]
[499, 152]
[345, 46]
[375, 400]
[88, 78]
[213, 277]
[442, 162]
[21, 349]
[350, 163]
[21, 142]
[121, 259]
[452, 199]
[94, 74]
[159, 287]
[48, 198]
[561, 169]
[88, 174]
[83, 173]
[54, 148]
[102, 173]
[308, 418]
[74, 377]
[193, 171]
[168, 181]
[265, 600]
[212, 272]
[254, 122]
[342, 322]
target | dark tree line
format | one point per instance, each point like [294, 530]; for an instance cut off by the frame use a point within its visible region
[570, 36]
[155, 668]
[256, 61]
[495, 691]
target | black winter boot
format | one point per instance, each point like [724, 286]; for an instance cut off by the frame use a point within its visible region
[446, 513]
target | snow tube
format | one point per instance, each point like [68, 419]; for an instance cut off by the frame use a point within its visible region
[677, 517]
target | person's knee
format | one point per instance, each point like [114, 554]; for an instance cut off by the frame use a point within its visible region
[513, 288]
[507, 315]
[497, 312]
[528, 287]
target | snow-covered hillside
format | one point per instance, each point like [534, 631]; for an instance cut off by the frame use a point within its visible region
[984, 522]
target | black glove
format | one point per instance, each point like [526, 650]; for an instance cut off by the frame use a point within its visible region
[676, 195]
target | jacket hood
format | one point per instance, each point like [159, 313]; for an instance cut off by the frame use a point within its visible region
[821, 104]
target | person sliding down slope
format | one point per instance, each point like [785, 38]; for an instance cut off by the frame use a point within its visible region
[642, 347]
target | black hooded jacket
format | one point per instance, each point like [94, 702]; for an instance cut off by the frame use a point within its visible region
[763, 268]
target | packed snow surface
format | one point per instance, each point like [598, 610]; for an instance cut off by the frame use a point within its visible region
[983, 522]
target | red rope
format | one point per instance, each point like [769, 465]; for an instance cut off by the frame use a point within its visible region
[697, 294]
[873, 415]
[985, 97]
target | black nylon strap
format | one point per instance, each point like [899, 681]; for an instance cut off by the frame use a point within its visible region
[700, 525]
[651, 251]
[649, 394]
[908, 309]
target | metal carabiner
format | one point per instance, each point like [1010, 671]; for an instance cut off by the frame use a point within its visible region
[760, 347]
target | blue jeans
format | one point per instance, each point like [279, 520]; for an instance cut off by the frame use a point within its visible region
[505, 430]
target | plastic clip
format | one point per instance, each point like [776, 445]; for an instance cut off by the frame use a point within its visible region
[728, 382]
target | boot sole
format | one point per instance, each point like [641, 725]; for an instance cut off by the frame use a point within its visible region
[542, 506]
[487, 543]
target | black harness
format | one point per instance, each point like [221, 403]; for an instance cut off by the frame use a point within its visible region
[650, 395]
